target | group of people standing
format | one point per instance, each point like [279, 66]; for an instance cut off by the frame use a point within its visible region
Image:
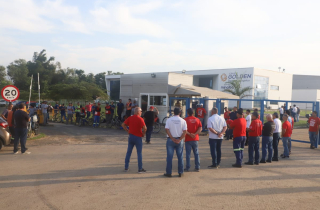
[186, 131]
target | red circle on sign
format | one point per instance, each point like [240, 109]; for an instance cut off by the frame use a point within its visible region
[17, 96]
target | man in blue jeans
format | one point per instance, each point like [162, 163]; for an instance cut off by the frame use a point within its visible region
[286, 135]
[176, 129]
[217, 126]
[255, 130]
[192, 138]
[267, 139]
[137, 129]
[21, 119]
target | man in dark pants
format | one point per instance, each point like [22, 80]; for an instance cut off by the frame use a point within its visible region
[149, 117]
[239, 137]
[120, 107]
[255, 131]
[276, 136]
[217, 126]
[137, 129]
[21, 119]
[267, 140]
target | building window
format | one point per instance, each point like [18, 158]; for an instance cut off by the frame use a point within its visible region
[114, 89]
[273, 103]
[274, 87]
[261, 87]
[158, 100]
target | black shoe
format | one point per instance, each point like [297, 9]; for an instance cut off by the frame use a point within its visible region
[275, 159]
[285, 156]
[214, 166]
[256, 163]
[186, 170]
[197, 170]
[142, 171]
[167, 175]
[180, 175]
[268, 161]
[263, 161]
[248, 163]
[236, 166]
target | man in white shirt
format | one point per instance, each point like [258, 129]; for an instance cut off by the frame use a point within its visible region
[217, 126]
[276, 136]
[281, 112]
[294, 113]
[248, 120]
[44, 109]
[176, 129]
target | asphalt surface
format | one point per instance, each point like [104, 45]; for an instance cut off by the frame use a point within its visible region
[82, 168]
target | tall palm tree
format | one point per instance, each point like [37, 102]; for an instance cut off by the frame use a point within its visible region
[237, 90]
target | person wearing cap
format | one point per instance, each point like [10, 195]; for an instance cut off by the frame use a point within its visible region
[108, 113]
[255, 131]
[201, 112]
[239, 137]
[191, 140]
[217, 126]
[149, 118]
[176, 129]
[96, 121]
[137, 130]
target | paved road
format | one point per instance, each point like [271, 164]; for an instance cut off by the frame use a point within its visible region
[82, 168]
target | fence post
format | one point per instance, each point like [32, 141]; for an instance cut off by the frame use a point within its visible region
[187, 105]
[218, 105]
[261, 110]
[239, 103]
[317, 107]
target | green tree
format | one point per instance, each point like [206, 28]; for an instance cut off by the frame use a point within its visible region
[237, 90]
[18, 71]
[3, 79]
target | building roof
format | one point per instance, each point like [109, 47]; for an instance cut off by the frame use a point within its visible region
[188, 91]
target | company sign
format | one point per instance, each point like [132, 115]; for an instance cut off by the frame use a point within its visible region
[228, 77]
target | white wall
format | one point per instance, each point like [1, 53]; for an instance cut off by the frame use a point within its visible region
[305, 95]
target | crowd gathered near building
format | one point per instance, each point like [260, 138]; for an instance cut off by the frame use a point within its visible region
[243, 126]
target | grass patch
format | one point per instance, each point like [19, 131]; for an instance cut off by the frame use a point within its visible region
[39, 136]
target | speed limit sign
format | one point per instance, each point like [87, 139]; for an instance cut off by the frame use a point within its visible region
[10, 93]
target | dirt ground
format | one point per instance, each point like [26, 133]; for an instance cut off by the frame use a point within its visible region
[82, 168]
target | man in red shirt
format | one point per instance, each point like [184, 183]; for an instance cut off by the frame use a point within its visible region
[88, 109]
[255, 131]
[137, 130]
[226, 113]
[229, 130]
[201, 112]
[191, 140]
[239, 137]
[286, 135]
[314, 123]
[108, 113]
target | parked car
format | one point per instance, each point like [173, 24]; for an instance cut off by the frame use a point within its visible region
[5, 136]
[3, 103]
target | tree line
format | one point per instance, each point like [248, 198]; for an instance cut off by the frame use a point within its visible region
[56, 83]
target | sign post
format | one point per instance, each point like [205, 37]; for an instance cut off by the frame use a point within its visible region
[10, 93]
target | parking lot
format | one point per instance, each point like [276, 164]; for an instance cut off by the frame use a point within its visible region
[82, 168]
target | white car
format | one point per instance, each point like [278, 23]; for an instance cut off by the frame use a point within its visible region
[3, 103]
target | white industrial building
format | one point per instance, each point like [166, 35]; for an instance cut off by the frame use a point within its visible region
[305, 88]
[155, 88]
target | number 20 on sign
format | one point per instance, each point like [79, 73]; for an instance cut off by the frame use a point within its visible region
[10, 93]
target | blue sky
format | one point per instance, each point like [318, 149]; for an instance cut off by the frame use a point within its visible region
[162, 35]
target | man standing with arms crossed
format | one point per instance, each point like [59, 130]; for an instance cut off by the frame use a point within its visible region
[239, 137]
[217, 126]
[255, 130]
[194, 128]
[201, 112]
[314, 123]
[137, 130]
[176, 129]
[276, 136]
